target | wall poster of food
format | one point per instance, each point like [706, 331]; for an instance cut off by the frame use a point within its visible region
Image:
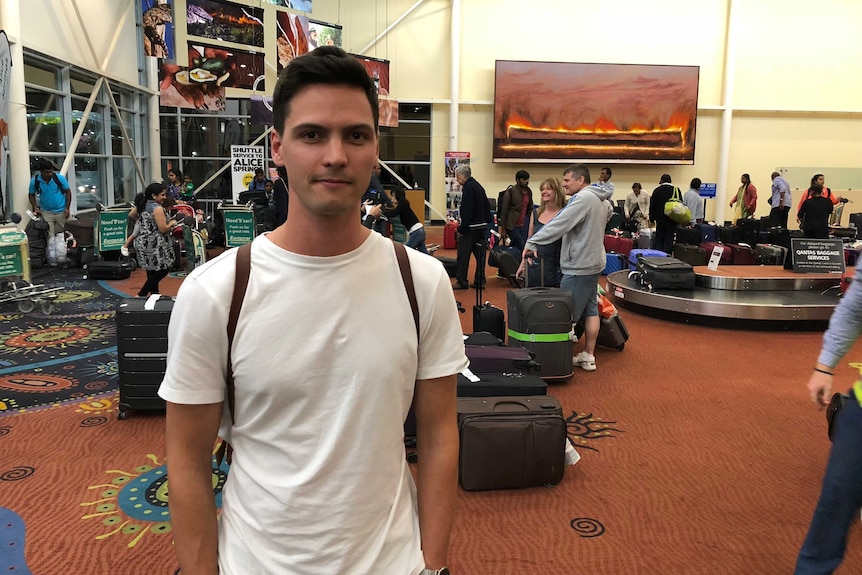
[158, 29]
[291, 33]
[229, 67]
[184, 87]
[379, 72]
[225, 21]
[566, 112]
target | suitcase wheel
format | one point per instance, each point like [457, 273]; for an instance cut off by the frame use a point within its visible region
[620, 347]
[122, 414]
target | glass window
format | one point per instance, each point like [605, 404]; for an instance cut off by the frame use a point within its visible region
[169, 135]
[407, 143]
[119, 146]
[89, 181]
[414, 111]
[34, 73]
[201, 170]
[82, 86]
[44, 121]
[201, 136]
[125, 180]
[91, 138]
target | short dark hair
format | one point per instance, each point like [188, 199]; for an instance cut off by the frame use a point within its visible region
[327, 65]
[695, 183]
[579, 170]
[400, 195]
[608, 170]
[665, 179]
[258, 171]
[44, 164]
[637, 185]
[154, 190]
[140, 202]
[522, 175]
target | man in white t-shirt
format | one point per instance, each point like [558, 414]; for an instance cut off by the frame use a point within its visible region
[324, 376]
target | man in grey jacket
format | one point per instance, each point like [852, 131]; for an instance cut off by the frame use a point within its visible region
[581, 224]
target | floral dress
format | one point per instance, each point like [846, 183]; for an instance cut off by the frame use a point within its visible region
[155, 249]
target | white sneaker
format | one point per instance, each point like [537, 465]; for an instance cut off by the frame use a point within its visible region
[586, 361]
[125, 251]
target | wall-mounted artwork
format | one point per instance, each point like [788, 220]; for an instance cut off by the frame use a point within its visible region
[323, 34]
[301, 5]
[567, 112]
[291, 32]
[184, 87]
[379, 72]
[231, 68]
[225, 21]
[158, 29]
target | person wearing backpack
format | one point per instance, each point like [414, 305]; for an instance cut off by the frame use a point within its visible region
[55, 196]
[513, 206]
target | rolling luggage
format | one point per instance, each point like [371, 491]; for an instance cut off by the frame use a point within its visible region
[482, 338]
[690, 254]
[614, 262]
[450, 230]
[708, 233]
[108, 270]
[666, 273]
[770, 254]
[500, 359]
[633, 257]
[688, 236]
[618, 244]
[613, 333]
[488, 318]
[83, 230]
[142, 351]
[507, 260]
[451, 265]
[856, 220]
[843, 233]
[729, 235]
[725, 255]
[741, 255]
[510, 442]
[540, 319]
[497, 384]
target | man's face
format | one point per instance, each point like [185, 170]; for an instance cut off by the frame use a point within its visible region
[461, 178]
[329, 145]
[258, 177]
[523, 182]
[47, 174]
[604, 176]
[572, 184]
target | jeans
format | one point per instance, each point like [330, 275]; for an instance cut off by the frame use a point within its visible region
[779, 216]
[416, 240]
[472, 242]
[517, 238]
[840, 496]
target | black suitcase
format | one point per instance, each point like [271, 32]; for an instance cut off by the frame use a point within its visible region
[689, 236]
[496, 384]
[488, 318]
[508, 264]
[142, 350]
[613, 333]
[666, 273]
[690, 254]
[856, 220]
[770, 254]
[105, 270]
[729, 235]
[844, 233]
[450, 264]
[83, 230]
[540, 319]
[483, 338]
[500, 359]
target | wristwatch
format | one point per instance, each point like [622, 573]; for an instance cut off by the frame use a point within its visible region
[440, 571]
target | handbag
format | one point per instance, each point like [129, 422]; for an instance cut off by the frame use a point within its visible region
[676, 210]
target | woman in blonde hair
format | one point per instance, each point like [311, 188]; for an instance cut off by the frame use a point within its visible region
[552, 201]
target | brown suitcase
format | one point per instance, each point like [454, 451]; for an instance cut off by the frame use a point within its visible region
[83, 230]
[510, 442]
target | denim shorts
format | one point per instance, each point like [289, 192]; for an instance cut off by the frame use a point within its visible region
[583, 289]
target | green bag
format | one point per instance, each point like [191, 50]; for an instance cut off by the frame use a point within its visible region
[675, 209]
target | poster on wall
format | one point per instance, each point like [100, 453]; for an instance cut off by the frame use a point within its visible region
[225, 21]
[195, 88]
[323, 34]
[244, 160]
[453, 188]
[231, 68]
[158, 29]
[301, 5]
[291, 37]
[379, 72]
[5, 81]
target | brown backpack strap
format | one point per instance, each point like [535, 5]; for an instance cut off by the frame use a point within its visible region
[407, 278]
[243, 271]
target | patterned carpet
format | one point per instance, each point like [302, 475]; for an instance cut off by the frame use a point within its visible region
[701, 454]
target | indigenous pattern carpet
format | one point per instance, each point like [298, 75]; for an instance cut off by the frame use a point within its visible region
[700, 454]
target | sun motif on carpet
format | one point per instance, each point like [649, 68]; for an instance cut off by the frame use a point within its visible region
[51, 337]
[585, 428]
[134, 504]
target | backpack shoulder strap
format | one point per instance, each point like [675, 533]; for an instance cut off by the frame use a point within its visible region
[57, 181]
[407, 278]
[243, 271]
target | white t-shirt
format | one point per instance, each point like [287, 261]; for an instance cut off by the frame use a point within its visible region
[325, 360]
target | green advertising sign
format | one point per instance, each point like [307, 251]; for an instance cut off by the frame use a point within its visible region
[238, 227]
[113, 225]
[12, 253]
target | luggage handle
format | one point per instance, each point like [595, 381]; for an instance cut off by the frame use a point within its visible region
[541, 272]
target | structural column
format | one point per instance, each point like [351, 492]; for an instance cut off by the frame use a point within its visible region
[19, 147]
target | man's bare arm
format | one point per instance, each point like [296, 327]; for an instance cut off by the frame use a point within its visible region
[191, 432]
[437, 448]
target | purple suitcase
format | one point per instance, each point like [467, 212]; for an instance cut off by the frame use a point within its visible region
[633, 257]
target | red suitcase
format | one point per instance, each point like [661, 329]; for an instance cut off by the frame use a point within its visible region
[725, 255]
[742, 255]
[449, 232]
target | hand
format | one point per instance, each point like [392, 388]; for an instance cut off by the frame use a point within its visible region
[522, 269]
[374, 211]
[66, 213]
[527, 256]
[820, 388]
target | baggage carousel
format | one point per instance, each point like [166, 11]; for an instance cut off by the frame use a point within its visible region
[737, 294]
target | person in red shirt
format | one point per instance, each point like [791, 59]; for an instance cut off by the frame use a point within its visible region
[818, 181]
[512, 213]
